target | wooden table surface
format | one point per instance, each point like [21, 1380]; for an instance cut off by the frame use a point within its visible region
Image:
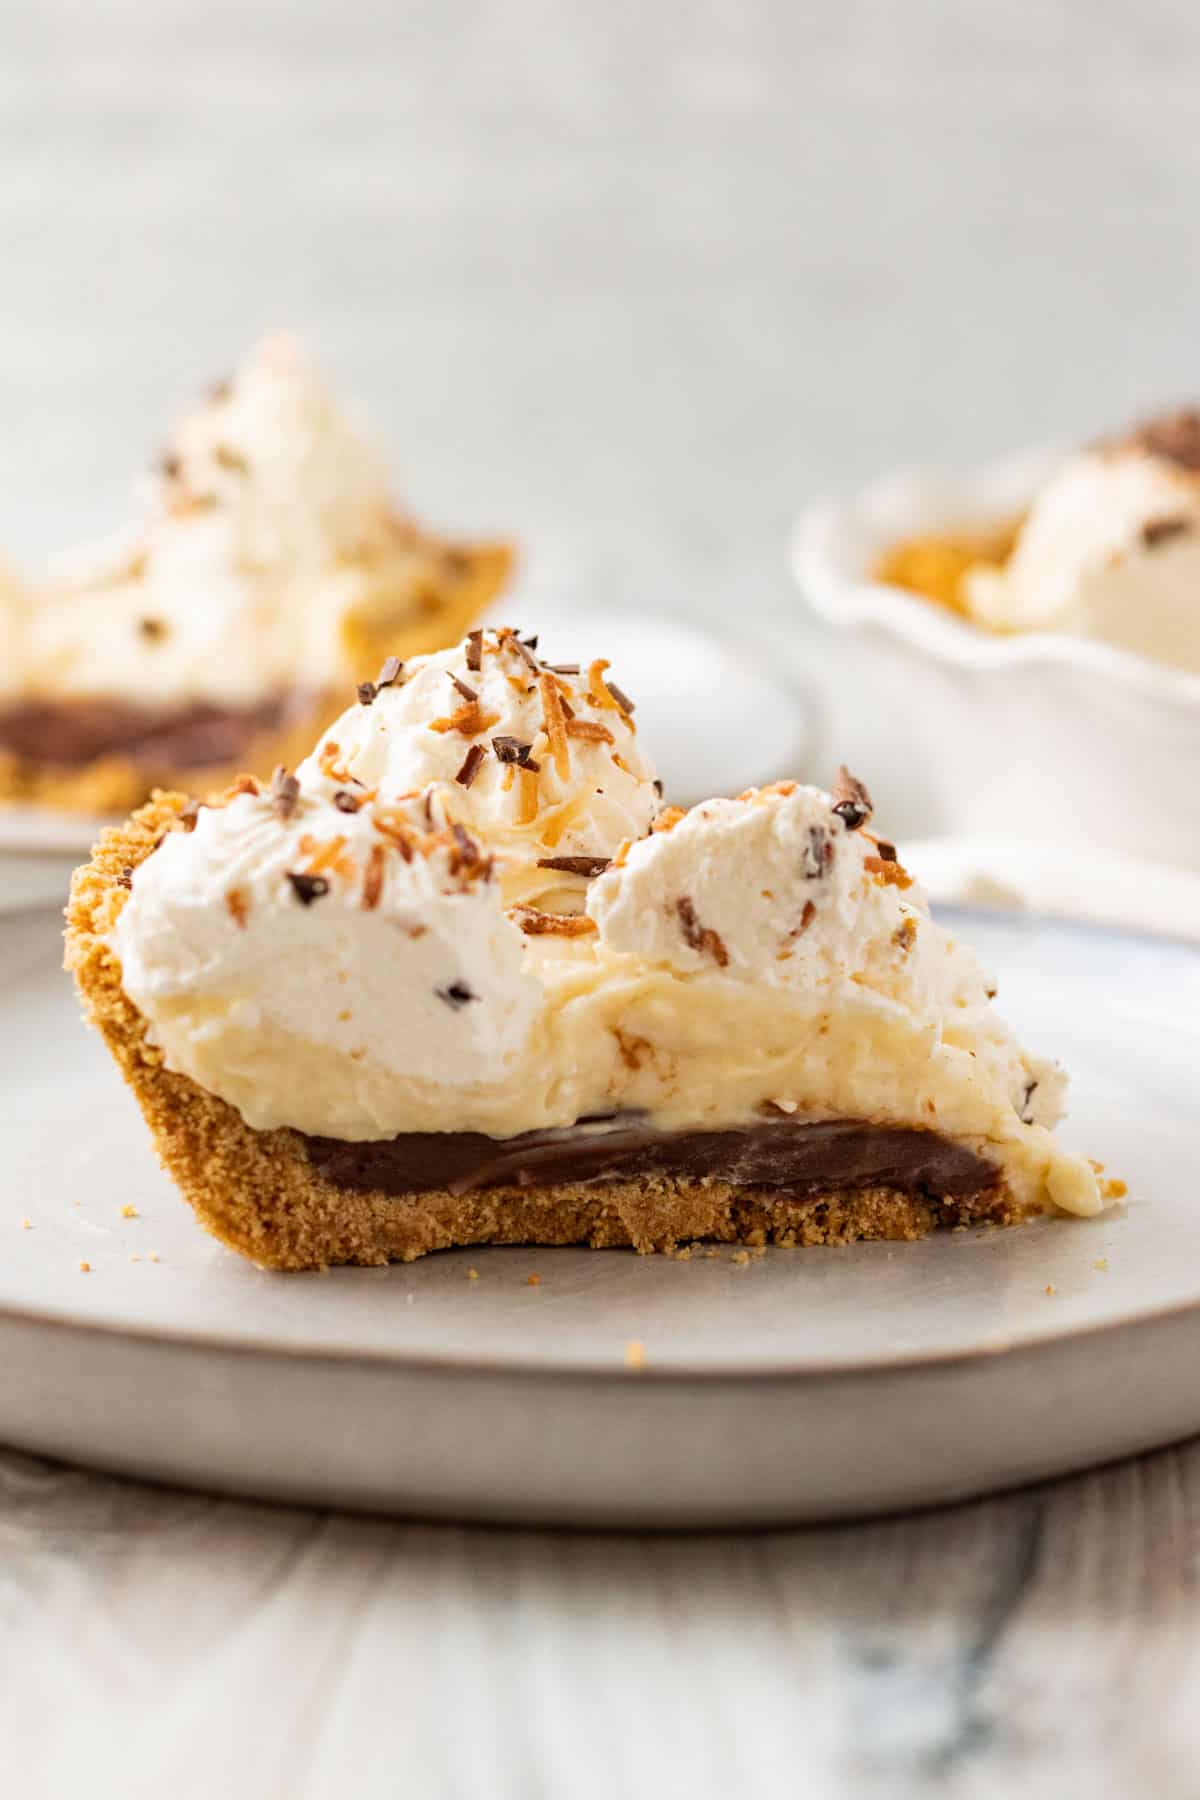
[1045, 1643]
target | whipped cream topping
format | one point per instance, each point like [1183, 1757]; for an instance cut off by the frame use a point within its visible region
[266, 525]
[1110, 549]
[546, 762]
[762, 955]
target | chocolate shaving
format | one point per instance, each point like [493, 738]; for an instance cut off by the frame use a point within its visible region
[851, 801]
[818, 854]
[525, 651]
[532, 640]
[468, 849]
[285, 793]
[471, 765]
[658, 787]
[468, 693]
[512, 750]
[346, 802]
[1175, 437]
[366, 692]
[307, 887]
[699, 937]
[389, 673]
[153, 630]
[170, 465]
[125, 878]
[189, 812]
[622, 700]
[1161, 531]
[885, 851]
[1031, 1088]
[563, 668]
[475, 650]
[575, 865]
[456, 995]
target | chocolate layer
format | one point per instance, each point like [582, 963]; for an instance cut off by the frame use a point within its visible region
[803, 1158]
[72, 732]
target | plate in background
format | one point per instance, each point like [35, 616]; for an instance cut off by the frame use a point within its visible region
[803, 1384]
[38, 850]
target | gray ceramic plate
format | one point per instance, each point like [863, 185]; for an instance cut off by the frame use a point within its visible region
[803, 1384]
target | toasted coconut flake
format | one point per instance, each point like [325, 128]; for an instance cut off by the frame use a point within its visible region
[699, 937]
[591, 730]
[372, 887]
[326, 855]
[887, 874]
[668, 818]
[527, 794]
[238, 907]
[245, 784]
[470, 720]
[394, 824]
[597, 690]
[332, 769]
[547, 924]
[556, 725]
[561, 821]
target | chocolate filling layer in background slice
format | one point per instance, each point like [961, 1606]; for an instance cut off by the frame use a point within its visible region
[70, 733]
[805, 1158]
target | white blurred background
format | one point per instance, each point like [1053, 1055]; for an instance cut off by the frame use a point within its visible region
[632, 281]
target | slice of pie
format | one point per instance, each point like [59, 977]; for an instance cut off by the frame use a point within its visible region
[462, 979]
[222, 632]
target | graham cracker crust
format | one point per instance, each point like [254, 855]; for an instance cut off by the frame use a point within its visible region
[257, 1191]
[116, 784]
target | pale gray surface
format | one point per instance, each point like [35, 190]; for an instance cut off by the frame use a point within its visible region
[632, 279]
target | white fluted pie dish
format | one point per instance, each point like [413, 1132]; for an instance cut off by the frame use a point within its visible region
[1045, 736]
